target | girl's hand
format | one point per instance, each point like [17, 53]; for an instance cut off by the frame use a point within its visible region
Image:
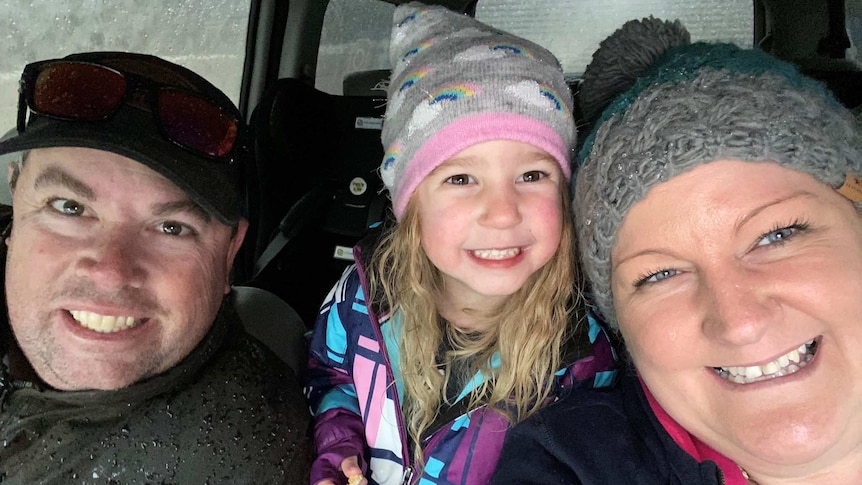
[351, 470]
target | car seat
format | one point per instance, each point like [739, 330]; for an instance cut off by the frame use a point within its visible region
[271, 320]
[313, 190]
[366, 83]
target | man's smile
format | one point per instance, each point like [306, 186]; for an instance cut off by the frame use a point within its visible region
[104, 323]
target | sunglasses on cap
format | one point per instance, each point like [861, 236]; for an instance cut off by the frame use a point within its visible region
[83, 91]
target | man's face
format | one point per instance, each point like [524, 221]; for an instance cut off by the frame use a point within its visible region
[113, 274]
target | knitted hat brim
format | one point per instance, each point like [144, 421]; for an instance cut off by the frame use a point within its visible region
[471, 130]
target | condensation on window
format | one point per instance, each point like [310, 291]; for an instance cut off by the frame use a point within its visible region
[573, 29]
[355, 33]
[355, 38]
[853, 22]
[207, 36]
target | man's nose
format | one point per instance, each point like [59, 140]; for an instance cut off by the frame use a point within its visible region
[114, 259]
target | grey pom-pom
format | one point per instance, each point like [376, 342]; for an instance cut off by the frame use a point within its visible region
[623, 56]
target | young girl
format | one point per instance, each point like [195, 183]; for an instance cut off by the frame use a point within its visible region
[460, 319]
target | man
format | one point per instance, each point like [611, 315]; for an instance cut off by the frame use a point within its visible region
[124, 361]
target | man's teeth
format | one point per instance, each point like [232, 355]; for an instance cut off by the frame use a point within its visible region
[103, 323]
[783, 366]
[496, 253]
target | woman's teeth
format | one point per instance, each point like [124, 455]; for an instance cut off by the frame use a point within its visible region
[496, 253]
[785, 365]
[103, 323]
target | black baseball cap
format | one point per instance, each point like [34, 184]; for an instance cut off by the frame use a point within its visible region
[133, 130]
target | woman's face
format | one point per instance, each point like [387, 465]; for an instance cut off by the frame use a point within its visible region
[738, 290]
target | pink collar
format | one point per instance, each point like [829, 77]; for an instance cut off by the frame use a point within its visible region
[693, 446]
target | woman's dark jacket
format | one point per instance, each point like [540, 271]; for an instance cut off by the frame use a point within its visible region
[599, 437]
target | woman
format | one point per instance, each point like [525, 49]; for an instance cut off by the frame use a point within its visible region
[717, 211]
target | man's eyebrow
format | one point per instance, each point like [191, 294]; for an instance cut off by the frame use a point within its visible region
[56, 176]
[185, 205]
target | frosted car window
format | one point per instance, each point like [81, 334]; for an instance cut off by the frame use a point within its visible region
[207, 36]
[854, 30]
[355, 37]
[572, 29]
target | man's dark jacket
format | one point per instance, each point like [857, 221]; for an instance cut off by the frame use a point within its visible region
[231, 412]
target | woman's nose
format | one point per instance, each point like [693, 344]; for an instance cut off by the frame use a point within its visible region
[739, 309]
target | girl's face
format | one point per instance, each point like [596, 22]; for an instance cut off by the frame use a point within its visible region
[490, 217]
[738, 290]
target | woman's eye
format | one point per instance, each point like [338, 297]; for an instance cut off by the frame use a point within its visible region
[656, 277]
[534, 176]
[174, 228]
[67, 207]
[780, 235]
[460, 179]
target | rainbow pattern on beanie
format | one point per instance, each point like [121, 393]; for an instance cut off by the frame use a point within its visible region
[452, 70]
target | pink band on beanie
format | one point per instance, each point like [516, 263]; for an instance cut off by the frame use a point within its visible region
[468, 131]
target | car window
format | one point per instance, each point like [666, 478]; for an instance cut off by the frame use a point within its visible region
[355, 35]
[207, 36]
[854, 30]
[355, 38]
[572, 29]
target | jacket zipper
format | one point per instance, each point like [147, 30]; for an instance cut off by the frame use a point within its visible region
[5, 386]
[407, 476]
[9, 385]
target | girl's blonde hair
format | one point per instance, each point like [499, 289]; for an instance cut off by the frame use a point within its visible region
[528, 330]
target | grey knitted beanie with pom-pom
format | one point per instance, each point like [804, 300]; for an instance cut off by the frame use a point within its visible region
[685, 105]
[609, 73]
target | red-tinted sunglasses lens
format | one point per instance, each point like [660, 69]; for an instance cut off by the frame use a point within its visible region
[78, 91]
[196, 123]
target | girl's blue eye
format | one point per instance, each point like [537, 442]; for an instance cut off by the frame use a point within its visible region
[67, 207]
[656, 277]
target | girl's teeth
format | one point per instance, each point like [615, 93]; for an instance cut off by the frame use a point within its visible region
[496, 253]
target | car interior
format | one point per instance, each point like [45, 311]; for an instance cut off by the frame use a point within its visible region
[310, 77]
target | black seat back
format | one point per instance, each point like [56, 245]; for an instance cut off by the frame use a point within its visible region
[314, 189]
